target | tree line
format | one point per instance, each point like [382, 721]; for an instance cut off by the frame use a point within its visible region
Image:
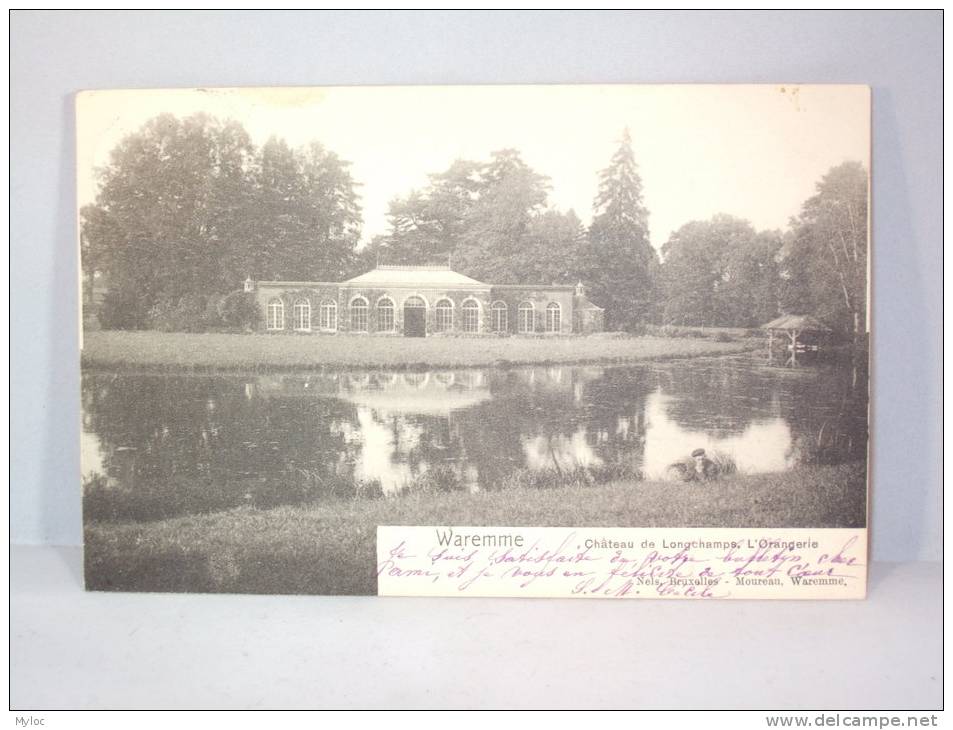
[188, 207]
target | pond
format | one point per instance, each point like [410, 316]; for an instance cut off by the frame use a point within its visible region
[157, 446]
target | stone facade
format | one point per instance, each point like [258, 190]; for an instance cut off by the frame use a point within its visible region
[388, 301]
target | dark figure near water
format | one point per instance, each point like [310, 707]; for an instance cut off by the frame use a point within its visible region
[705, 468]
[701, 468]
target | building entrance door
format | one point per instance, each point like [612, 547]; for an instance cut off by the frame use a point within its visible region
[415, 318]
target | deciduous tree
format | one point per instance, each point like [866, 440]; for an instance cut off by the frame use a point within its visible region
[158, 228]
[510, 193]
[187, 208]
[720, 272]
[825, 264]
[553, 249]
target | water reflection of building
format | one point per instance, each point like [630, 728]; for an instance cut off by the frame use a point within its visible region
[184, 443]
[476, 424]
[404, 422]
[423, 393]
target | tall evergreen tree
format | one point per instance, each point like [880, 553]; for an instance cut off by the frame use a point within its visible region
[622, 263]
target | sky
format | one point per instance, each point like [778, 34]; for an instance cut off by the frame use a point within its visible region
[755, 152]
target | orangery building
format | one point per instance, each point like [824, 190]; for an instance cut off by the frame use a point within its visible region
[417, 301]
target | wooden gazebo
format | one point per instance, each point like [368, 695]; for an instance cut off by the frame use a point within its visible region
[793, 326]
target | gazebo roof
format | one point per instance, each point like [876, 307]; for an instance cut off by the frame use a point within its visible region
[802, 322]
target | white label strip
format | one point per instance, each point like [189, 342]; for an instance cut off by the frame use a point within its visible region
[621, 562]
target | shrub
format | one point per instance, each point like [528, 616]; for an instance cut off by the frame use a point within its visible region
[239, 309]
[667, 330]
[123, 309]
[725, 463]
[436, 479]
[609, 335]
[191, 313]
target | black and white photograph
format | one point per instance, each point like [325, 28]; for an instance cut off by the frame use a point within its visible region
[311, 312]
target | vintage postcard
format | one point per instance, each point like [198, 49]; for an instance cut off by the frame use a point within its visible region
[570, 341]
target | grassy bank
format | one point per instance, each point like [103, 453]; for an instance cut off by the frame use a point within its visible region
[329, 547]
[174, 350]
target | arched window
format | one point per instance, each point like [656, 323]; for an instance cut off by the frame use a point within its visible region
[385, 315]
[329, 315]
[471, 379]
[471, 316]
[444, 316]
[358, 381]
[416, 380]
[445, 379]
[276, 314]
[526, 316]
[359, 315]
[554, 316]
[301, 312]
[498, 317]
